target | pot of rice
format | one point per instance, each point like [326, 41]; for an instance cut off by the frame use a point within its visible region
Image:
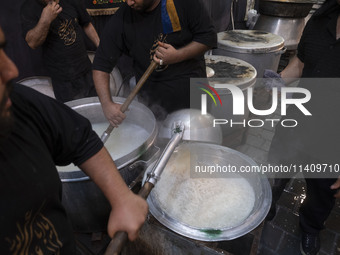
[202, 193]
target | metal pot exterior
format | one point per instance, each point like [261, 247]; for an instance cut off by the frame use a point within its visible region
[260, 61]
[243, 80]
[43, 84]
[289, 28]
[285, 9]
[261, 49]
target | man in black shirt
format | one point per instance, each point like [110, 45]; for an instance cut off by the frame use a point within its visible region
[56, 26]
[316, 139]
[136, 29]
[37, 133]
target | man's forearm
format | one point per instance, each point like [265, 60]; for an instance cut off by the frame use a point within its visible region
[102, 83]
[37, 36]
[192, 50]
[91, 33]
[293, 71]
[104, 173]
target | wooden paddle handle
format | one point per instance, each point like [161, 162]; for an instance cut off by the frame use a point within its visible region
[118, 241]
[131, 96]
[138, 86]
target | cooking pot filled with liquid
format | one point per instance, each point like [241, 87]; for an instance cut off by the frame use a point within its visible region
[129, 144]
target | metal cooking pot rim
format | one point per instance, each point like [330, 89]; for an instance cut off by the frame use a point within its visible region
[213, 234]
[127, 159]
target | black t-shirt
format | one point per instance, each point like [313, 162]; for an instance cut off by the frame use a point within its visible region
[45, 133]
[318, 48]
[136, 33]
[316, 136]
[64, 49]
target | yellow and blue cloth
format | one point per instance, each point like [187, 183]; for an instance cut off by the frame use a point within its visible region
[170, 19]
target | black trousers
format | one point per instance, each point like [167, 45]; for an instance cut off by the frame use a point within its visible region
[317, 206]
[319, 200]
[68, 90]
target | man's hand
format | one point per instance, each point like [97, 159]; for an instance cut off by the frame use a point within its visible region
[128, 216]
[113, 113]
[336, 185]
[128, 210]
[50, 12]
[167, 53]
[272, 80]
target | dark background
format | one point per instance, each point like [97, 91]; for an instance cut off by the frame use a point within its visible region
[28, 61]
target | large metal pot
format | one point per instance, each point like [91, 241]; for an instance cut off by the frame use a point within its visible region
[259, 48]
[289, 28]
[86, 206]
[230, 71]
[211, 154]
[43, 84]
[286, 8]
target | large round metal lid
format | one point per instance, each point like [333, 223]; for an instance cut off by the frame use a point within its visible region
[249, 41]
[292, 1]
[230, 70]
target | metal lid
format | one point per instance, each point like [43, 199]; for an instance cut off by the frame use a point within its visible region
[293, 1]
[249, 41]
[230, 70]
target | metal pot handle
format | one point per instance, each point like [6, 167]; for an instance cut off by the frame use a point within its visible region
[120, 238]
[154, 151]
[146, 159]
[282, 51]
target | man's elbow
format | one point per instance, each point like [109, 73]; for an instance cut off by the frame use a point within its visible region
[32, 46]
[31, 43]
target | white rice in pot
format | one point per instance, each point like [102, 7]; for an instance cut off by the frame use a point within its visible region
[202, 202]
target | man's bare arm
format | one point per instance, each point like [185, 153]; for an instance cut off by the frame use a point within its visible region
[37, 35]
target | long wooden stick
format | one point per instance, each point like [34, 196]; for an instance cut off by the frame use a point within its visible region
[131, 96]
[119, 240]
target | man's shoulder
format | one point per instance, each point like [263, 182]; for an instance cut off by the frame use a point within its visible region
[28, 95]
[30, 6]
[123, 8]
